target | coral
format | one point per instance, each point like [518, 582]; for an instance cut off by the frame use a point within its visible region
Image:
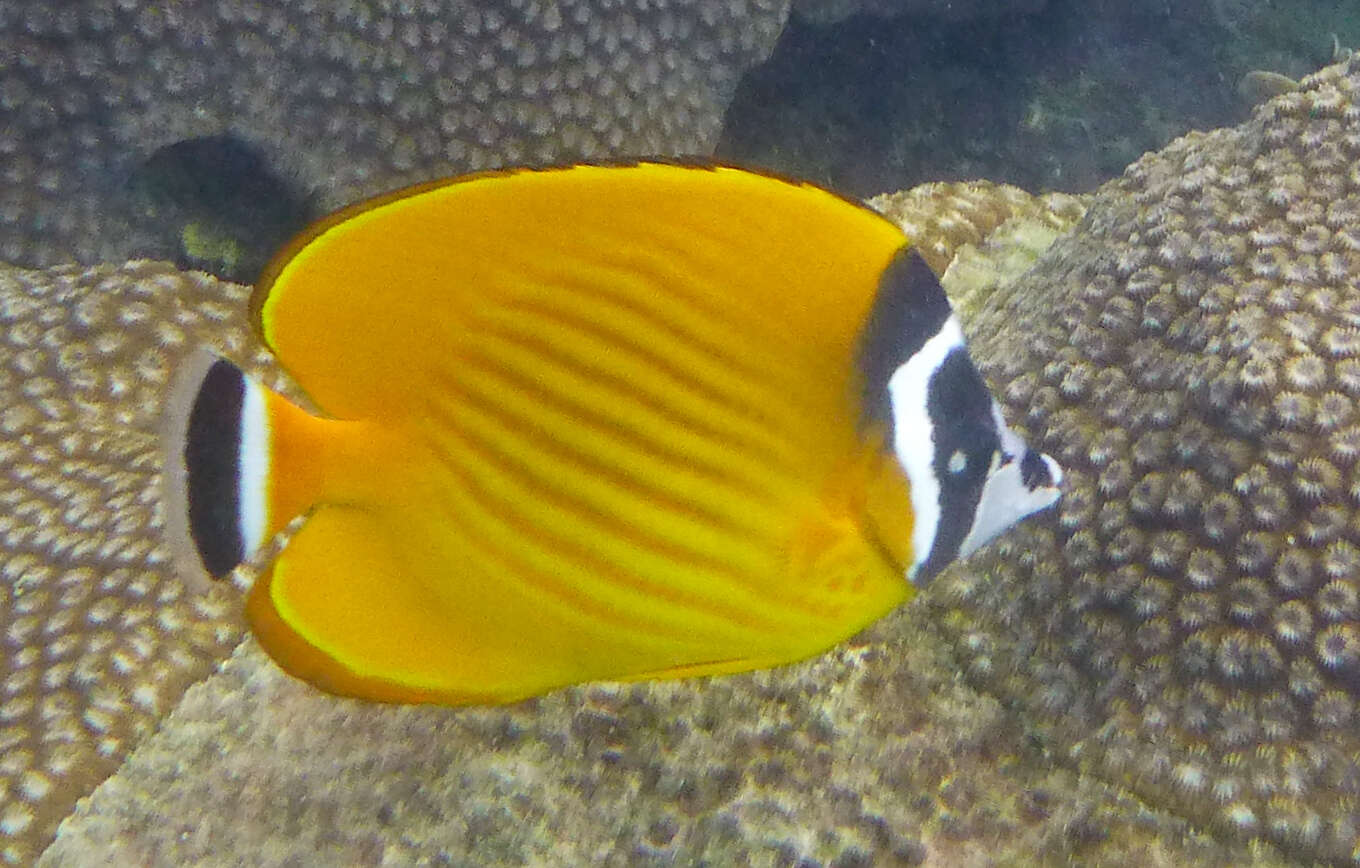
[99, 638]
[343, 99]
[97, 103]
[1188, 622]
[960, 226]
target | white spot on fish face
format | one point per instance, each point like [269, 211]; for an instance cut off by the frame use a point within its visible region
[958, 462]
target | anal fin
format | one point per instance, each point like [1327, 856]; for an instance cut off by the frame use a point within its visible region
[345, 609]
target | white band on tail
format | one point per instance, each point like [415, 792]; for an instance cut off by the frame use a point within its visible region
[254, 468]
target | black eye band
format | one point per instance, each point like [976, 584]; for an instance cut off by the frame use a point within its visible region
[960, 409]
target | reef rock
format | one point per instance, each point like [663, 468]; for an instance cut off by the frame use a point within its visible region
[874, 754]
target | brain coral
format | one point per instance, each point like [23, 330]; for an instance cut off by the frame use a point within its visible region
[344, 98]
[1188, 622]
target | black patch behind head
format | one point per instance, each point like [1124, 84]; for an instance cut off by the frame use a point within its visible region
[964, 429]
[909, 309]
[212, 451]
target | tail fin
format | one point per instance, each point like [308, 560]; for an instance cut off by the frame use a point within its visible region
[215, 466]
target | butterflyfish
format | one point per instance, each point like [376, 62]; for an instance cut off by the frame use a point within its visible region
[591, 423]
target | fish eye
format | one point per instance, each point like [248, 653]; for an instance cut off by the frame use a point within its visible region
[958, 462]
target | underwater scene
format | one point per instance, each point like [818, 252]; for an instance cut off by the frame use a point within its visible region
[780, 432]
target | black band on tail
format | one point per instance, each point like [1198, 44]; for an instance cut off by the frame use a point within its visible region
[212, 466]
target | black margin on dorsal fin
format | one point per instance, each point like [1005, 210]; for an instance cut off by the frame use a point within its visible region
[909, 309]
[212, 448]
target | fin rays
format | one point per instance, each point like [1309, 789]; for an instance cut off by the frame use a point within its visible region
[659, 368]
[574, 428]
[491, 467]
[553, 471]
[499, 539]
[700, 447]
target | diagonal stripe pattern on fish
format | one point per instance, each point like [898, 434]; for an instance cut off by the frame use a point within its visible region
[594, 422]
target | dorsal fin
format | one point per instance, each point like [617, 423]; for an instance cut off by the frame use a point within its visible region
[422, 264]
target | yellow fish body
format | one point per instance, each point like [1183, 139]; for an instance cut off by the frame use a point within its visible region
[592, 423]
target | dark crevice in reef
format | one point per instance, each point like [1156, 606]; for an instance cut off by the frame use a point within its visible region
[214, 203]
[1060, 99]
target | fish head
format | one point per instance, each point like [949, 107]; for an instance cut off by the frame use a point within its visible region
[971, 476]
